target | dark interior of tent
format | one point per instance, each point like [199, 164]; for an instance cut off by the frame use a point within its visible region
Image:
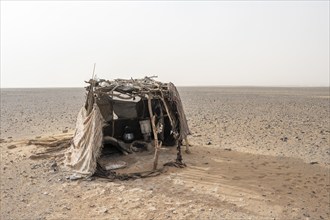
[128, 123]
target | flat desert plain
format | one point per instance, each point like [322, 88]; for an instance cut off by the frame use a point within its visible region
[258, 153]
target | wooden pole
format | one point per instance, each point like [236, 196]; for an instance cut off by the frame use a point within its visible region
[90, 96]
[168, 112]
[113, 124]
[153, 125]
[94, 71]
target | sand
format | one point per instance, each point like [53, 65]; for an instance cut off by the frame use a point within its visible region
[258, 153]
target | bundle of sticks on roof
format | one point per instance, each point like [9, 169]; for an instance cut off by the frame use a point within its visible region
[131, 87]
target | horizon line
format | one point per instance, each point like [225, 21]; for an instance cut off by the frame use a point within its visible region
[252, 86]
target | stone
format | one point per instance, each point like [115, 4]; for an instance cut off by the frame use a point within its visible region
[67, 208]
[103, 210]
[284, 139]
[152, 208]
[11, 146]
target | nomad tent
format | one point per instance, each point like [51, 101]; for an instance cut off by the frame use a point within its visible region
[128, 115]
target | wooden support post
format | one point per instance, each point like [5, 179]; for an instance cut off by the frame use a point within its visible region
[113, 123]
[153, 125]
[168, 112]
[113, 117]
[179, 155]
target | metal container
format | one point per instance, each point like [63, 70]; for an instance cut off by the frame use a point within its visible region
[145, 126]
[128, 137]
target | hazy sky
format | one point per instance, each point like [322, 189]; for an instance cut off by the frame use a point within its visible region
[55, 43]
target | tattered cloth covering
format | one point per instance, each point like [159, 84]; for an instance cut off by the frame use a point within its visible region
[87, 142]
[174, 98]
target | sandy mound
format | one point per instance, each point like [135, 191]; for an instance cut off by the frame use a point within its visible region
[215, 184]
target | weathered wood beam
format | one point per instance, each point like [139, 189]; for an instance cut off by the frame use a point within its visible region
[153, 125]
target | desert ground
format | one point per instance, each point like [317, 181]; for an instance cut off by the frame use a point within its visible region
[258, 153]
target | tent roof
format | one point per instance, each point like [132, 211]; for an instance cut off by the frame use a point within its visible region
[130, 87]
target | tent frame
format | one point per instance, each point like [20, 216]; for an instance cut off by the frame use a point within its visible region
[147, 89]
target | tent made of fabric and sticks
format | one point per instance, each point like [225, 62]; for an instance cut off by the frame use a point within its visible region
[113, 106]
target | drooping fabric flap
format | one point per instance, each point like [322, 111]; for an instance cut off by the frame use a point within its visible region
[175, 100]
[87, 142]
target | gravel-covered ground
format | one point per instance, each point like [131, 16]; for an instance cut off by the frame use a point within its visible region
[259, 153]
[286, 122]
